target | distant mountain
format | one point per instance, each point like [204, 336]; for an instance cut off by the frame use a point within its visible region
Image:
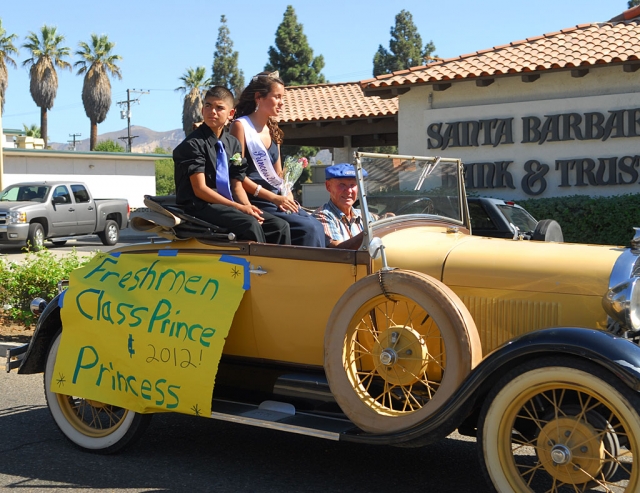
[146, 141]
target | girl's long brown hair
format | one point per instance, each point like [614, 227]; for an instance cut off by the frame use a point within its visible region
[260, 84]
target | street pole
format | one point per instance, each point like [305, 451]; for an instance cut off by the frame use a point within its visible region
[128, 102]
[128, 122]
[73, 142]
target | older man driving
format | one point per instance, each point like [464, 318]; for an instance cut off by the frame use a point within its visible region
[342, 223]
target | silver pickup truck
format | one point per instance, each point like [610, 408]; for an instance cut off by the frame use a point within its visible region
[35, 211]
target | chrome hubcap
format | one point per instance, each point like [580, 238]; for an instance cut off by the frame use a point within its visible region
[560, 455]
[388, 357]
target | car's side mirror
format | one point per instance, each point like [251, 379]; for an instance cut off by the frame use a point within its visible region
[59, 200]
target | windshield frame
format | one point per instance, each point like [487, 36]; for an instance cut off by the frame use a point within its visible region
[433, 161]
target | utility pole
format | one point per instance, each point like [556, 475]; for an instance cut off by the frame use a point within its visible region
[127, 114]
[73, 142]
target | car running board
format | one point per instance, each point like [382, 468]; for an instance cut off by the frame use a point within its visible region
[281, 416]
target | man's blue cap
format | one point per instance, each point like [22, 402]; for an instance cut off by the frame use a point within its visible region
[342, 170]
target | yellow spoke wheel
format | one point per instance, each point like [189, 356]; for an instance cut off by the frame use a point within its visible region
[561, 426]
[397, 346]
[91, 425]
[91, 418]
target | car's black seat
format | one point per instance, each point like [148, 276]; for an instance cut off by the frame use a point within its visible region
[172, 217]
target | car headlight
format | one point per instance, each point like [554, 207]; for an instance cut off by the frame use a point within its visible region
[622, 303]
[16, 217]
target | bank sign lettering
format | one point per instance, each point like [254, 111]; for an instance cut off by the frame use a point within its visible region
[585, 171]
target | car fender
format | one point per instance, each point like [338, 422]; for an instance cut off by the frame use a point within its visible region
[618, 355]
[47, 327]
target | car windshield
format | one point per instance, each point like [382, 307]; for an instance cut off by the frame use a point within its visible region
[518, 217]
[24, 193]
[397, 186]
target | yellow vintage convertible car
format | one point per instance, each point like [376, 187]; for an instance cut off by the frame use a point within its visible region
[530, 346]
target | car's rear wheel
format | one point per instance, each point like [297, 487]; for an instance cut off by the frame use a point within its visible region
[91, 425]
[397, 346]
[561, 425]
[110, 235]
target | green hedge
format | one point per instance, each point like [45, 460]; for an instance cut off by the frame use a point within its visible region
[596, 220]
[37, 275]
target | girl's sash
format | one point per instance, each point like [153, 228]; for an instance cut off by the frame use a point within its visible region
[259, 154]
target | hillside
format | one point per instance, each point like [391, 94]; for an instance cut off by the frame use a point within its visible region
[147, 140]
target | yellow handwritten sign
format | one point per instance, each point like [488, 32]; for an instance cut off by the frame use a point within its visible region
[145, 332]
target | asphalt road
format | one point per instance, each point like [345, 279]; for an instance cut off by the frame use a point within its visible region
[182, 453]
[83, 244]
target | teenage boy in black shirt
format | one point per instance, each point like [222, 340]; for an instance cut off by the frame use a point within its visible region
[207, 164]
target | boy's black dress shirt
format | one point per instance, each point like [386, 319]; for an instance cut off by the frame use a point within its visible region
[197, 154]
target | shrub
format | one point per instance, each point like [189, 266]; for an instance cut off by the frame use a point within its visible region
[108, 146]
[36, 276]
[596, 220]
[165, 184]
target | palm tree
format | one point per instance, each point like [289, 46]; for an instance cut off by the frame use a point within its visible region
[46, 54]
[6, 48]
[194, 82]
[97, 62]
[32, 130]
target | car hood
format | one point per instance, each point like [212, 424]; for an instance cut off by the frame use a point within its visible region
[477, 262]
[17, 206]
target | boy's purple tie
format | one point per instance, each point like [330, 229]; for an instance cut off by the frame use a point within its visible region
[222, 172]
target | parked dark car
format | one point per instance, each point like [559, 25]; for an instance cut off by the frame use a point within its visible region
[497, 218]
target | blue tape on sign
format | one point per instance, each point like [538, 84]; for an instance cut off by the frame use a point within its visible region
[115, 254]
[244, 263]
[167, 253]
[61, 298]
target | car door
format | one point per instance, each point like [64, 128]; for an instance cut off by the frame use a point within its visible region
[293, 291]
[85, 209]
[63, 212]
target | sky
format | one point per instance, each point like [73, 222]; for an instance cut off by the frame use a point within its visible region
[159, 40]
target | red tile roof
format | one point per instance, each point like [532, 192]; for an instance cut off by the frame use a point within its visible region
[584, 45]
[333, 102]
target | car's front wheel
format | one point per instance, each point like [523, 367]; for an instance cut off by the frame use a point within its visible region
[558, 425]
[91, 425]
[35, 237]
[398, 344]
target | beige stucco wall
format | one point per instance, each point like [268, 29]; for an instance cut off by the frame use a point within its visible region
[108, 175]
[603, 89]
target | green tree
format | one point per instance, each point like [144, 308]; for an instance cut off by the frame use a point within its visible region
[97, 63]
[194, 82]
[165, 184]
[108, 146]
[225, 71]
[633, 3]
[7, 48]
[32, 130]
[292, 56]
[46, 54]
[405, 47]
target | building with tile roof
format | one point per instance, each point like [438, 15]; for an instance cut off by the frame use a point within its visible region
[553, 115]
[338, 116]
